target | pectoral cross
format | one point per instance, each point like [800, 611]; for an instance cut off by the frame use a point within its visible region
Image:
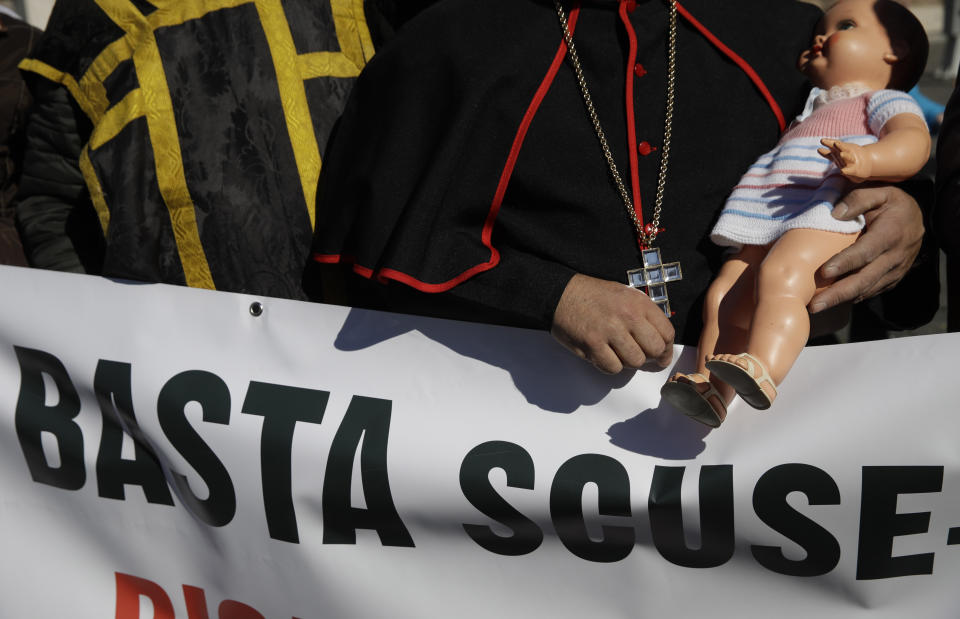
[653, 276]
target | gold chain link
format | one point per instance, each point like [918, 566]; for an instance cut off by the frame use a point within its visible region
[645, 239]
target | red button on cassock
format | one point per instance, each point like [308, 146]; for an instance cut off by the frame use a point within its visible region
[644, 148]
[639, 70]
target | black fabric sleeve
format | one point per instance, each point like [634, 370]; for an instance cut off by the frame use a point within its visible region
[946, 214]
[56, 219]
[523, 290]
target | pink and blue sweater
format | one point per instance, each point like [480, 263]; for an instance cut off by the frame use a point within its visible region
[793, 186]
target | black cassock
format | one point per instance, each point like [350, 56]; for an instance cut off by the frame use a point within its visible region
[430, 195]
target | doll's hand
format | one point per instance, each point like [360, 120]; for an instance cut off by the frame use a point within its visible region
[852, 160]
[882, 255]
[611, 325]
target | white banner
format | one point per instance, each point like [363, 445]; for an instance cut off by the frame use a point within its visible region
[166, 452]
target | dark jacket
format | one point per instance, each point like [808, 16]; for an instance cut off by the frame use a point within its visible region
[946, 216]
[17, 39]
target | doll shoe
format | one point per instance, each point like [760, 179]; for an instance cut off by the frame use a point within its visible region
[706, 406]
[747, 375]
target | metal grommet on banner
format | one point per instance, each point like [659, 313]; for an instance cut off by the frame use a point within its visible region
[256, 308]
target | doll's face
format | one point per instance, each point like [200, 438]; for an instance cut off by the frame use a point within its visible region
[850, 45]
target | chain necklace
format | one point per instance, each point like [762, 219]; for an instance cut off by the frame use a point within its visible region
[654, 273]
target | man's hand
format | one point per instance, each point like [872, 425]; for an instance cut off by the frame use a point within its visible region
[611, 325]
[884, 252]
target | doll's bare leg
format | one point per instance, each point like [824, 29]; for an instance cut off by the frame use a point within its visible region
[785, 284]
[729, 305]
[695, 394]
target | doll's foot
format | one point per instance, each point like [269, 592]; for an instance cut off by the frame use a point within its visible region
[693, 395]
[748, 377]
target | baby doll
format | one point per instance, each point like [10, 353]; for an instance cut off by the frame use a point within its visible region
[778, 219]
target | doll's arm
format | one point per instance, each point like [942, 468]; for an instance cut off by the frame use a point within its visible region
[901, 151]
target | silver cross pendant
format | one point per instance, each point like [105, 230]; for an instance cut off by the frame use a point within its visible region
[653, 276]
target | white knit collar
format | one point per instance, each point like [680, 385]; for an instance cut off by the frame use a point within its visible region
[819, 97]
[844, 91]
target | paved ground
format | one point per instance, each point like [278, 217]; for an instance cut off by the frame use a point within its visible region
[935, 83]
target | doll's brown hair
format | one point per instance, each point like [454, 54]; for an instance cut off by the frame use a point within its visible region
[909, 40]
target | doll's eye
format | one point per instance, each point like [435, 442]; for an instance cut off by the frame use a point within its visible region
[846, 24]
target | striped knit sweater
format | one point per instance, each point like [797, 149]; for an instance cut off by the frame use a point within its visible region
[793, 186]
